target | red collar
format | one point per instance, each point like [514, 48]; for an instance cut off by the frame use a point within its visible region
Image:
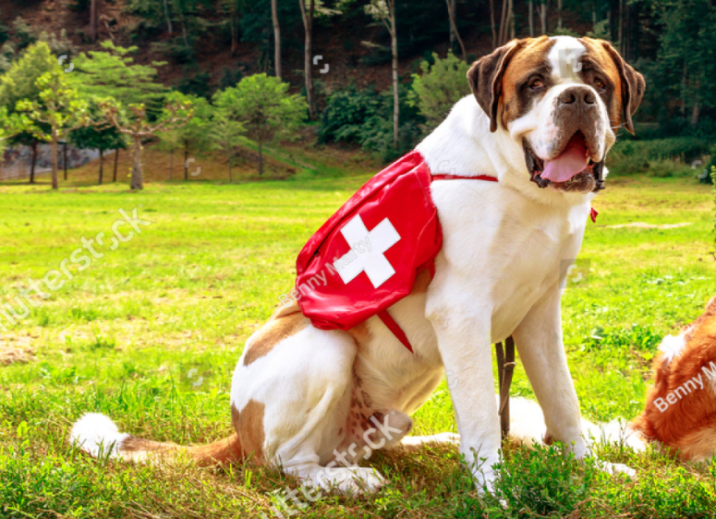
[593, 213]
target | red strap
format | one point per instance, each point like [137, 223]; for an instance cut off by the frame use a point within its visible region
[593, 213]
[395, 328]
[463, 177]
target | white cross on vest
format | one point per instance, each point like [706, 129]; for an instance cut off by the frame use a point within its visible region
[366, 254]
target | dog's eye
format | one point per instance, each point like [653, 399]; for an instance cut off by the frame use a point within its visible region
[600, 84]
[536, 83]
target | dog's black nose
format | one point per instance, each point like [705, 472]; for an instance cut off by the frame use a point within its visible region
[577, 96]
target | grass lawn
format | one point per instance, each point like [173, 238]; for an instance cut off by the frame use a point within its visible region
[150, 333]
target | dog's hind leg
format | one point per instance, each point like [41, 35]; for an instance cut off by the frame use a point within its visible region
[290, 401]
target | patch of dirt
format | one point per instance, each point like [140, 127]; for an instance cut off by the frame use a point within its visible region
[16, 354]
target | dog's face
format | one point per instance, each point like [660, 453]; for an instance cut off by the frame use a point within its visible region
[561, 99]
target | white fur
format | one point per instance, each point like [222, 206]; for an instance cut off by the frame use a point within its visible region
[97, 435]
[672, 346]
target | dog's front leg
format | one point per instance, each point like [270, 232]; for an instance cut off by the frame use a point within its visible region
[464, 345]
[539, 342]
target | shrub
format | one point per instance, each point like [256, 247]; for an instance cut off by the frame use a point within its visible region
[365, 117]
[440, 86]
[660, 157]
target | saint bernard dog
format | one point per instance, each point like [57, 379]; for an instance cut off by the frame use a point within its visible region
[542, 118]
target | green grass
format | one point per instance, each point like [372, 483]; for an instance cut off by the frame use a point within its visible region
[131, 335]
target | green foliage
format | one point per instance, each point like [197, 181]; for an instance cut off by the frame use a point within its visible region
[24, 34]
[365, 117]
[439, 87]
[264, 107]
[97, 135]
[20, 82]
[113, 73]
[660, 157]
[59, 107]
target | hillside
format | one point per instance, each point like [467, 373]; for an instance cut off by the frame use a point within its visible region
[354, 46]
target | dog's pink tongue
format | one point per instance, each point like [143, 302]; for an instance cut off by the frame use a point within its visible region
[570, 162]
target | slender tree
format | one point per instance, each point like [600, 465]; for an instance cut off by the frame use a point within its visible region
[93, 20]
[454, 33]
[531, 17]
[20, 83]
[135, 125]
[384, 10]
[307, 13]
[99, 135]
[59, 108]
[276, 38]
[264, 107]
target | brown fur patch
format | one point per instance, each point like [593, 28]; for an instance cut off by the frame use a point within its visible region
[422, 282]
[531, 57]
[249, 426]
[361, 334]
[682, 425]
[284, 324]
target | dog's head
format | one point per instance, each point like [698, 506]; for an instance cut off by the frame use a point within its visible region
[561, 98]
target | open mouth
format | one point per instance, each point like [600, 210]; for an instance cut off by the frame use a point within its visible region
[572, 170]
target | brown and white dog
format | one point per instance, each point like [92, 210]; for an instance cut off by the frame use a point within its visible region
[541, 120]
[680, 410]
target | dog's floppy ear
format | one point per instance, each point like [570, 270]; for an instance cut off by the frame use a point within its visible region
[485, 78]
[633, 86]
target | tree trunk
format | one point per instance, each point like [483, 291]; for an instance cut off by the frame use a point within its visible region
[261, 159]
[452, 6]
[543, 8]
[396, 91]
[93, 21]
[531, 17]
[276, 38]
[171, 162]
[53, 157]
[166, 14]
[34, 161]
[453, 28]
[512, 20]
[186, 158]
[492, 23]
[559, 14]
[116, 158]
[621, 25]
[695, 111]
[504, 20]
[307, 57]
[137, 180]
[101, 164]
[64, 158]
[232, 25]
[229, 162]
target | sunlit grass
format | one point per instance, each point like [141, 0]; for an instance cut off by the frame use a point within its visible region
[131, 335]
